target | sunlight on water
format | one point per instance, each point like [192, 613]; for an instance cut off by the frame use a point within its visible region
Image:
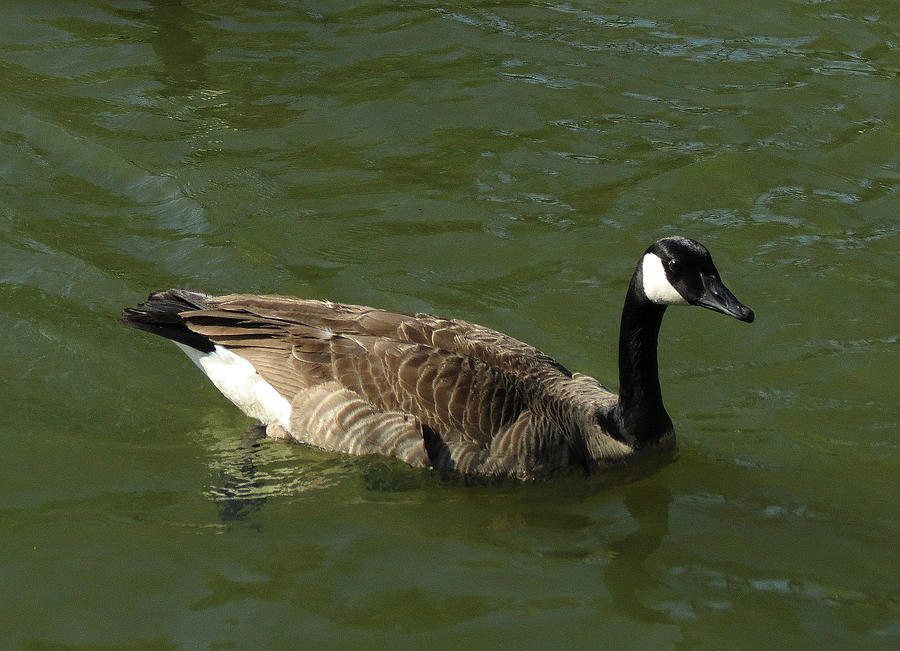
[505, 164]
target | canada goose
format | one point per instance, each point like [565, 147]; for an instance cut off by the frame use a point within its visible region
[439, 392]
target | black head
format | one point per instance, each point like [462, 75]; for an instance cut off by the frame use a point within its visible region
[680, 271]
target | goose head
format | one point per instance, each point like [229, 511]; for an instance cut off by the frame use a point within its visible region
[680, 271]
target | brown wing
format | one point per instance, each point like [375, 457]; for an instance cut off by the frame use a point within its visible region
[469, 390]
[446, 390]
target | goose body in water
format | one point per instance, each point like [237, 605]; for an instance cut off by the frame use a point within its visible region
[438, 392]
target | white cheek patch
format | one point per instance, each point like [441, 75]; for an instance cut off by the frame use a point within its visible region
[657, 287]
[236, 378]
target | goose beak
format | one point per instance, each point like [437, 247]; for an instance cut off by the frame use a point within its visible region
[718, 297]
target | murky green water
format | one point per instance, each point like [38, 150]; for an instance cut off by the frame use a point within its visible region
[505, 163]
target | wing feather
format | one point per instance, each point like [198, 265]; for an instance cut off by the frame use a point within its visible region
[363, 380]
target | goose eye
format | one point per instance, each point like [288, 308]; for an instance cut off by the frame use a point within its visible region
[674, 265]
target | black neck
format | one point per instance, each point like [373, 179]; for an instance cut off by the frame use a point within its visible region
[641, 414]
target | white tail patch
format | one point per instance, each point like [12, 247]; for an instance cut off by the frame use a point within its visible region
[236, 378]
[657, 287]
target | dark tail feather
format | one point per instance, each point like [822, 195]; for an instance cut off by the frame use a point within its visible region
[161, 315]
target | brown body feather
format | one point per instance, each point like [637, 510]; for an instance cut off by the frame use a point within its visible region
[431, 391]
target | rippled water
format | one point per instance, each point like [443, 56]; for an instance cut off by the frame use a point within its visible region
[500, 162]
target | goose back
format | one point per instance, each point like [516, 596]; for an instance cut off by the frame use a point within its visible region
[430, 390]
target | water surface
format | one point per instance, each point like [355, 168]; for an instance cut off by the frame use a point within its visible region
[505, 163]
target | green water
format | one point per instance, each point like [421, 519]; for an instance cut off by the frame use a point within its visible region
[505, 163]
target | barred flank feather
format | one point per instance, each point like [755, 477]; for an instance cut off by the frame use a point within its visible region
[428, 390]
